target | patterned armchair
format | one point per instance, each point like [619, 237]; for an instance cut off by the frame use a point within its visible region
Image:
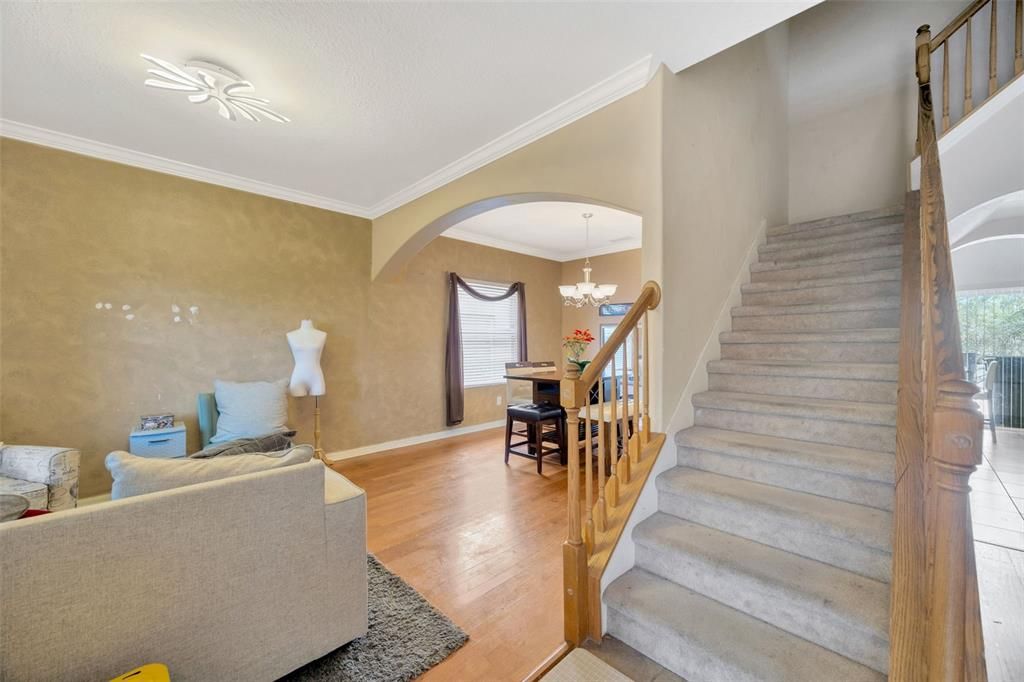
[47, 476]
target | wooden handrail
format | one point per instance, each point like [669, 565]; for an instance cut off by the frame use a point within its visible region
[935, 620]
[614, 472]
[954, 26]
[963, 21]
[649, 298]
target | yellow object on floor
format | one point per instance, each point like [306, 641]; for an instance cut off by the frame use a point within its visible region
[151, 672]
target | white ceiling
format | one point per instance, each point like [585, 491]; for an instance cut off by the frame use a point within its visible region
[387, 100]
[552, 229]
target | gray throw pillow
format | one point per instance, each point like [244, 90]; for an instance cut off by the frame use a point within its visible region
[271, 442]
[135, 475]
[249, 409]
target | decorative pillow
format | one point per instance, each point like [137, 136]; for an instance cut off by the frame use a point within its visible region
[140, 475]
[271, 442]
[249, 409]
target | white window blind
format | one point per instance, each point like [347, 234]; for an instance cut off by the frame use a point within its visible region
[490, 334]
[606, 333]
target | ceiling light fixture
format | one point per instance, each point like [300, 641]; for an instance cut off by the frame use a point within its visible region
[209, 82]
[586, 292]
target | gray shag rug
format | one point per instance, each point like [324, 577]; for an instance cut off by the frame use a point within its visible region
[406, 638]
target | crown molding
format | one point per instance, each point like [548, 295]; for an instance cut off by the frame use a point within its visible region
[616, 86]
[526, 249]
[129, 157]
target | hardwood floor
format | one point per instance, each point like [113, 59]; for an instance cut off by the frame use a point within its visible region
[479, 539]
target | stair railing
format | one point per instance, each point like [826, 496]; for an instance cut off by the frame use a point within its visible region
[609, 402]
[935, 620]
[963, 23]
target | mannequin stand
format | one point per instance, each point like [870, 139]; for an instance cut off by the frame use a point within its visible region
[317, 450]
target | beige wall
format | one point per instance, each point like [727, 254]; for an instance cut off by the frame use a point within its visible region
[612, 155]
[624, 268]
[77, 231]
[852, 100]
[724, 177]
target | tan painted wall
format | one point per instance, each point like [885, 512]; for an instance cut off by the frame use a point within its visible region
[624, 268]
[77, 231]
[853, 103]
[724, 176]
[612, 155]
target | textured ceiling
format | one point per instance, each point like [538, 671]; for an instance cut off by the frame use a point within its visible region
[381, 95]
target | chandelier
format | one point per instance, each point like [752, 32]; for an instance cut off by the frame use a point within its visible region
[586, 292]
[209, 82]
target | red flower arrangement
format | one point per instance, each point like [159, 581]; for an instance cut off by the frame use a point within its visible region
[576, 345]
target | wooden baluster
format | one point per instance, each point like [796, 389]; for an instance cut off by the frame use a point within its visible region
[588, 476]
[601, 518]
[955, 451]
[1018, 39]
[992, 65]
[613, 450]
[574, 551]
[634, 440]
[624, 464]
[968, 75]
[647, 382]
[945, 86]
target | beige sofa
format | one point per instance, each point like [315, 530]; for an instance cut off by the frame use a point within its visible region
[245, 578]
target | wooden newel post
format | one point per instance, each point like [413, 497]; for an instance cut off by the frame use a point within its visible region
[955, 451]
[924, 66]
[574, 551]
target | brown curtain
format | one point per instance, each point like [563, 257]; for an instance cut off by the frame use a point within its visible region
[453, 348]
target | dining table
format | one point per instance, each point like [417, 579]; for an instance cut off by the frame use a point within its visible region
[547, 386]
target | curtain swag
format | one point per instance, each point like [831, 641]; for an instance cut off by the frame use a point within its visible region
[454, 398]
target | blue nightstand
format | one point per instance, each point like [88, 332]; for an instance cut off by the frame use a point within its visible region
[169, 442]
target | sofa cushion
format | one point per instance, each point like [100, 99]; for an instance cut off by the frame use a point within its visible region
[271, 442]
[139, 475]
[37, 493]
[249, 409]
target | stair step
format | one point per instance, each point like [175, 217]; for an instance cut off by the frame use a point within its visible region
[802, 270]
[839, 610]
[874, 252]
[865, 345]
[879, 312]
[836, 234]
[861, 382]
[805, 249]
[702, 639]
[850, 221]
[865, 286]
[849, 474]
[870, 426]
[850, 536]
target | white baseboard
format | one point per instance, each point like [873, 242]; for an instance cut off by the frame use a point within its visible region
[411, 440]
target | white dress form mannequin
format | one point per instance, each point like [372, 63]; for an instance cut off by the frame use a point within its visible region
[307, 344]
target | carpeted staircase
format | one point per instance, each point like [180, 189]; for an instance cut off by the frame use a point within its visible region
[769, 557]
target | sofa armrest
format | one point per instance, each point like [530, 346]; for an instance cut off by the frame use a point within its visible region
[345, 525]
[57, 468]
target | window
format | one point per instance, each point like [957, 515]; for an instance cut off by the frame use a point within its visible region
[606, 333]
[490, 334]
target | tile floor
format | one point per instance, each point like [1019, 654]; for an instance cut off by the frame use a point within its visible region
[997, 508]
